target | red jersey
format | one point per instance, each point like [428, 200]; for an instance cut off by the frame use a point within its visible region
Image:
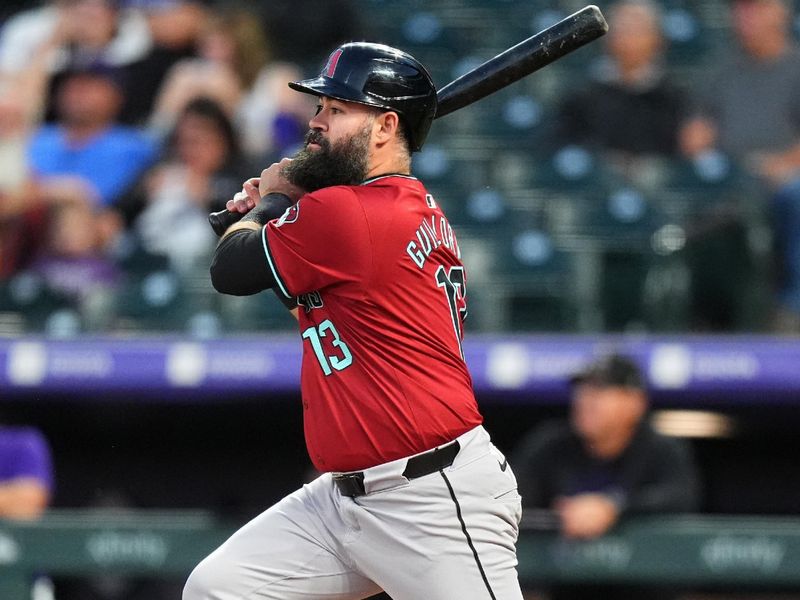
[381, 290]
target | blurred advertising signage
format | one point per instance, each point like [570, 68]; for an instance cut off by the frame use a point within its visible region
[760, 554]
[127, 548]
[533, 368]
[148, 365]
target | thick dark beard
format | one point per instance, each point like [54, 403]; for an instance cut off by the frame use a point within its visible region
[343, 163]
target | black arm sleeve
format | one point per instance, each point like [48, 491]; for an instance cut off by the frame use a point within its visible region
[239, 266]
[272, 206]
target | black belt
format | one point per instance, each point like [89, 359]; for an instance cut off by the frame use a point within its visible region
[352, 484]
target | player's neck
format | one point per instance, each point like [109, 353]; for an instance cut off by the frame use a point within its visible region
[387, 161]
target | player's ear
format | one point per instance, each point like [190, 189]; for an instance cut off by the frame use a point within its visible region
[387, 125]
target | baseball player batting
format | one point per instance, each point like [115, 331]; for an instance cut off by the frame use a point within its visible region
[414, 498]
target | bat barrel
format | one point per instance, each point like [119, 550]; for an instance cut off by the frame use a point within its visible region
[528, 56]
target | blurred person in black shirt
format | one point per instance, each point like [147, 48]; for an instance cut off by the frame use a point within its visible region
[630, 106]
[606, 462]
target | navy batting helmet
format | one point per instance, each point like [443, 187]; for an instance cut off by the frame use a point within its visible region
[379, 76]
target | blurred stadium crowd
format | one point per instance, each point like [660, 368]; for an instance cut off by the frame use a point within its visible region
[644, 183]
[123, 125]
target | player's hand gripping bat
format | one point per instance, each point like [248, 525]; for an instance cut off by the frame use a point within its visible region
[509, 66]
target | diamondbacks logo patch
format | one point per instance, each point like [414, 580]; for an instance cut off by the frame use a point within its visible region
[290, 215]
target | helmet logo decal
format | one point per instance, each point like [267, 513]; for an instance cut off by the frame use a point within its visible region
[330, 68]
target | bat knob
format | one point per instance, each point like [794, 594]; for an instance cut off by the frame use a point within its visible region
[221, 220]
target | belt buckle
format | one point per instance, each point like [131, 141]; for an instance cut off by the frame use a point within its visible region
[350, 484]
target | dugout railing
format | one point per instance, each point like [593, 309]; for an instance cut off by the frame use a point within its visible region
[691, 550]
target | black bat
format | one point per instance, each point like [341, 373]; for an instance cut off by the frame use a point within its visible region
[528, 56]
[509, 66]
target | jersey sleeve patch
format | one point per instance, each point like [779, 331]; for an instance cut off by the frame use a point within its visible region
[290, 215]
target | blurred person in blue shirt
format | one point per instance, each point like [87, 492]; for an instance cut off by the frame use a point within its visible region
[86, 144]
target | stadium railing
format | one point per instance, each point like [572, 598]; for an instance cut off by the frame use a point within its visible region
[690, 550]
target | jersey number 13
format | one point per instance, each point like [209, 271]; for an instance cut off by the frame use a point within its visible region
[328, 362]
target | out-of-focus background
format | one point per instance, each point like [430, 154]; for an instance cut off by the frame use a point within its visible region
[641, 195]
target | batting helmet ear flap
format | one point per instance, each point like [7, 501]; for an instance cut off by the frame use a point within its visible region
[380, 76]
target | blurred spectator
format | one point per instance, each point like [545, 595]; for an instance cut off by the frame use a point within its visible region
[202, 170]
[86, 143]
[22, 219]
[751, 109]
[233, 68]
[174, 24]
[73, 33]
[38, 45]
[16, 123]
[630, 106]
[231, 50]
[26, 473]
[272, 119]
[25, 203]
[74, 263]
[605, 463]
[22, 227]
